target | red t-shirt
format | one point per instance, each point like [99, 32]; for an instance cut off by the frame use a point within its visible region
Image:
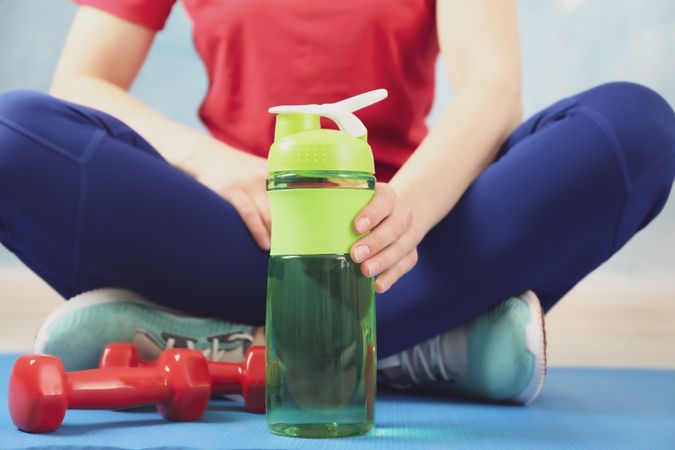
[262, 53]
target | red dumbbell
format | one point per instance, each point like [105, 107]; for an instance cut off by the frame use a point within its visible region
[40, 391]
[246, 378]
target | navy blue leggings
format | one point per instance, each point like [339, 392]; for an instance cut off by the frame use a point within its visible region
[85, 202]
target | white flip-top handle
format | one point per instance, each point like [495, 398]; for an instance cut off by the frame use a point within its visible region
[340, 112]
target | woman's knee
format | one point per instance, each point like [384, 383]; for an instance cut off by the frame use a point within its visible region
[22, 113]
[21, 107]
[641, 125]
[12, 104]
[640, 122]
[37, 129]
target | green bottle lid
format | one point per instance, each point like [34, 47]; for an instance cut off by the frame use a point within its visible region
[301, 144]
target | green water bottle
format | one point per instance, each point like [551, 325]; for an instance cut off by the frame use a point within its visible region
[320, 323]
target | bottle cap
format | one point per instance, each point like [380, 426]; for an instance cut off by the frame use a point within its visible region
[301, 144]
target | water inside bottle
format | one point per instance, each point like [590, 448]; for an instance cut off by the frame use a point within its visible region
[321, 354]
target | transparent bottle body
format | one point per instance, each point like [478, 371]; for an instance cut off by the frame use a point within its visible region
[320, 334]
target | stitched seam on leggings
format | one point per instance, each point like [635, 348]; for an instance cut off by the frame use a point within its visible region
[81, 202]
[658, 166]
[4, 225]
[34, 137]
[4, 222]
[8, 225]
[620, 159]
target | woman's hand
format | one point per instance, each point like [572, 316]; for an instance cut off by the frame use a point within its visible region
[390, 249]
[239, 178]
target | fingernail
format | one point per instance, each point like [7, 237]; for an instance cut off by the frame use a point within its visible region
[383, 285]
[362, 224]
[373, 267]
[361, 252]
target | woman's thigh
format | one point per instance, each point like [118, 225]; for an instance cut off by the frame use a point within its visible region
[85, 202]
[569, 188]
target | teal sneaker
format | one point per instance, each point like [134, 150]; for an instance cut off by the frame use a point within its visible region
[499, 356]
[78, 330]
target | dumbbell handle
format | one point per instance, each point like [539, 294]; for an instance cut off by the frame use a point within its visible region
[246, 378]
[226, 377]
[116, 388]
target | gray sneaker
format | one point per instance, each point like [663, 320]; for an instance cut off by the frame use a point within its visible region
[499, 356]
[79, 329]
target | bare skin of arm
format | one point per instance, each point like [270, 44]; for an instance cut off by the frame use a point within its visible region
[100, 60]
[480, 47]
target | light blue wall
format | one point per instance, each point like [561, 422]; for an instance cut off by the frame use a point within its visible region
[567, 46]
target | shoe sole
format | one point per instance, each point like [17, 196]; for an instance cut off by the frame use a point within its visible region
[87, 300]
[536, 343]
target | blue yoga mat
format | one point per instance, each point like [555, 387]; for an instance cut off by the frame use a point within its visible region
[578, 409]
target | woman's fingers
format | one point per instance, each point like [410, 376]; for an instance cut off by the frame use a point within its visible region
[257, 189]
[390, 249]
[376, 210]
[262, 202]
[251, 217]
[386, 233]
[392, 275]
[389, 256]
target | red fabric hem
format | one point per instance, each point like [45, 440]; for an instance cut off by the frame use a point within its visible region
[152, 16]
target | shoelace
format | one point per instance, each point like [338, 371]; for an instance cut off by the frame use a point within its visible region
[420, 359]
[213, 353]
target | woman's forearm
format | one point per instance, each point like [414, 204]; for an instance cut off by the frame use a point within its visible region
[458, 147]
[174, 141]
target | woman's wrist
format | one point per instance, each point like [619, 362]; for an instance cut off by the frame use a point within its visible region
[186, 146]
[456, 150]
[195, 148]
[418, 205]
